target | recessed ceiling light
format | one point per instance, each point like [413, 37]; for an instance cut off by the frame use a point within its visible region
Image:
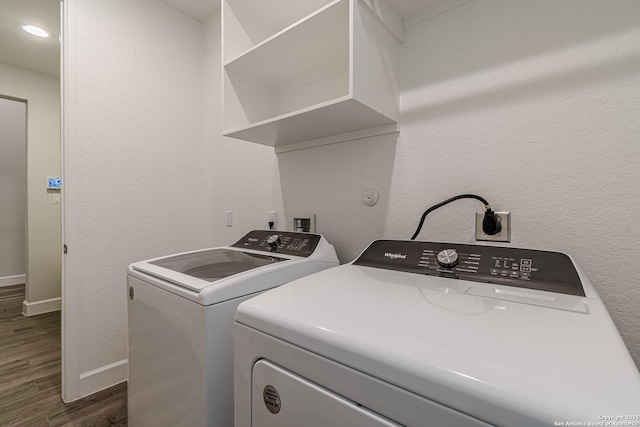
[36, 31]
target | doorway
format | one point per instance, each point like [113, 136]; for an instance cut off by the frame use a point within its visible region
[13, 191]
[30, 75]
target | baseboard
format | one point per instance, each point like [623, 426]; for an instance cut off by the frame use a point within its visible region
[102, 378]
[40, 307]
[12, 280]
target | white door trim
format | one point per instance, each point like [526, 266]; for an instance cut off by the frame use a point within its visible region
[70, 267]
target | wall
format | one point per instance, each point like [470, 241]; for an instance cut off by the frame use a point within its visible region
[42, 93]
[13, 191]
[135, 112]
[533, 105]
[243, 176]
[530, 104]
[154, 175]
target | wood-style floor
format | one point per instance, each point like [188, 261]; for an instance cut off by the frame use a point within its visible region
[30, 374]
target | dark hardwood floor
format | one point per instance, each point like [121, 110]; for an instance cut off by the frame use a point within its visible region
[30, 374]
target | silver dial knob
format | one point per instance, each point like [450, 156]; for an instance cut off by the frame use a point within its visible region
[273, 241]
[448, 258]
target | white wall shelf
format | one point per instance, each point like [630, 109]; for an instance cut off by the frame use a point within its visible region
[316, 70]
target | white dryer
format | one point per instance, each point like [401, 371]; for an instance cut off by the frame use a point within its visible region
[432, 334]
[181, 310]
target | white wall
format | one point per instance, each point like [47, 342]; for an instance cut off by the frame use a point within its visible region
[13, 191]
[42, 93]
[243, 176]
[533, 105]
[139, 151]
[155, 176]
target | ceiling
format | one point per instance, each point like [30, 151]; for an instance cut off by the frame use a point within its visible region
[200, 10]
[20, 49]
[408, 8]
[43, 55]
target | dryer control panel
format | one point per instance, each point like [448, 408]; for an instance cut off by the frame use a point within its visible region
[282, 242]
[524, 268]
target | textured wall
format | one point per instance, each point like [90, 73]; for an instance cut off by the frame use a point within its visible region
[533, 105]
[13, 191]
[140, 155]
[241, 176]
[155, 175]
[42, 93]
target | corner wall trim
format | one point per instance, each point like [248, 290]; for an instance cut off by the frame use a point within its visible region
[431, 12]
[12, 280]
[41, 307]
[103, 377]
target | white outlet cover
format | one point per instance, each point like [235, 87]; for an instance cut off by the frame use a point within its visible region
[273, 217]
[503, 236]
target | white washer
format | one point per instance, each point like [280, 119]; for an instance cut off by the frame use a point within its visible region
[181, 311]
[519, 339]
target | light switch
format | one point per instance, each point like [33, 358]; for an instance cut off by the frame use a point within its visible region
[56, 199]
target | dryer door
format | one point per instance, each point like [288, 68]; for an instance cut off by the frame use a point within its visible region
[281, 398]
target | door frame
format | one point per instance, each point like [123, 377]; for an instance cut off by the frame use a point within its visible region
[70, 328]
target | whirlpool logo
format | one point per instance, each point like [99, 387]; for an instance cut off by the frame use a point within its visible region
[394, 256]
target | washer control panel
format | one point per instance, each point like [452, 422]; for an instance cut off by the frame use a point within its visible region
[282, 242]
[524, 268]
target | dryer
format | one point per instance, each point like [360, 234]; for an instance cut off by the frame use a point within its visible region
[434, 334]
[181, 310]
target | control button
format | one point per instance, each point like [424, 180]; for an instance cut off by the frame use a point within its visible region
[494, 271]
[514, 273]
[525, 262]
[504, 272]
[274, 241]
[525, 268]
[448, 258]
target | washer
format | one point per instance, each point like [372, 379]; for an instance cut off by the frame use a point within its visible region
[433, 334]
[181, 311]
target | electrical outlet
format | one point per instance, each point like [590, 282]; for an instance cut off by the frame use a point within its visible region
[503, 236]
[273, 217]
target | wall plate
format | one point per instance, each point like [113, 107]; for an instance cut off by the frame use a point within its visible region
[304, 223]
[503, 236]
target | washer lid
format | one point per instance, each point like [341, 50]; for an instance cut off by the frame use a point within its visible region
[198, 270]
